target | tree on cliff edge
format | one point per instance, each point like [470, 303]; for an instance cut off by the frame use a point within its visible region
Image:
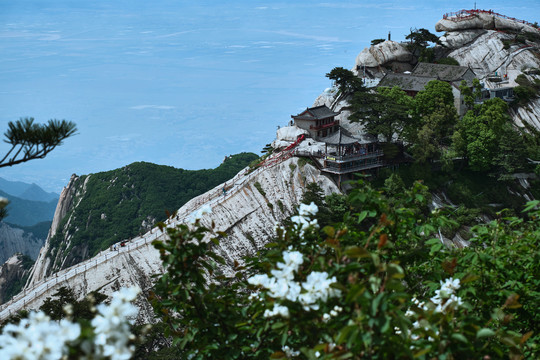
[31, 141]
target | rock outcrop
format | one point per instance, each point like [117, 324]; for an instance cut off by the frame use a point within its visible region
[65, 203]
[388, 53]
[14, 240]
[486, 20]
[457, 39]
[487, 55]
[12, 274]
[528, 114]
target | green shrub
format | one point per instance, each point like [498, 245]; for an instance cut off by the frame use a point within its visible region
[371, 286]
[280, 205]
[258, 186]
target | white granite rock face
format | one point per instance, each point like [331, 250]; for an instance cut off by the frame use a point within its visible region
[65, 202]
[382, 53]
[483, 21]
[14, 240]
[457, 39]
[245, 213]
[287, 135]
[486, 55]
[11, 271]
[529, 114]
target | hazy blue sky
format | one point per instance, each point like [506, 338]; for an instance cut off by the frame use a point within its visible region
[183, 83]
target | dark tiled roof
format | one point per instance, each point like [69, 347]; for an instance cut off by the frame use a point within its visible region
[340, 137]
[315, 113]
[440, 71]
[405, 82]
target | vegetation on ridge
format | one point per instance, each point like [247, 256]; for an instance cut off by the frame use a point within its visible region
[123, 203]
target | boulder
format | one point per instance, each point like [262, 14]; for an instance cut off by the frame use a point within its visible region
[507, 24]
[287, 135]
[484, 21]
[383, 53]
[457, 39]
[480, 21]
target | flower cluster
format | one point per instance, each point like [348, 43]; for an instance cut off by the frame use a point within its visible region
[290, 353]
[303, 219]
[111, 328]
[282, 285]
[281, 310]
[333, 313]
[445, 298]
[37, 338]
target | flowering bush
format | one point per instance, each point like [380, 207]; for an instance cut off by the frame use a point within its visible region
[376, 285]
[107, 337]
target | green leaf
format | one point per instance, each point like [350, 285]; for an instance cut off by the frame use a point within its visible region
[484, 332]
[329, 231]
[460, 337]
[357, 252]
[278, 325]
[531, 205]
[362, 216]
[421, 352]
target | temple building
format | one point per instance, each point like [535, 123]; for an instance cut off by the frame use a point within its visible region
[319, 121]
[346, 154]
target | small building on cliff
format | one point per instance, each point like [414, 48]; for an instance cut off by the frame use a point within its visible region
[343, 152]
[319, 121]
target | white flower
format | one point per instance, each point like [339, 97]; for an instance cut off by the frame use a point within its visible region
[445, 298]
[307, 210]
[111, 326]
[289, 352]
[37, 337]
[280, 310]
[259, 280]
[317, 287]
[293, 259]
[303, 217]
[282, 285]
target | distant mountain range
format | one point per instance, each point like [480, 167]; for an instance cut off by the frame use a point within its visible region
[26, 191]
[30, 213]
[23, 212]
[28, 203]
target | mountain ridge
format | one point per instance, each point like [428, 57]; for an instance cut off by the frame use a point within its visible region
[27, 191]
[22, 212]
